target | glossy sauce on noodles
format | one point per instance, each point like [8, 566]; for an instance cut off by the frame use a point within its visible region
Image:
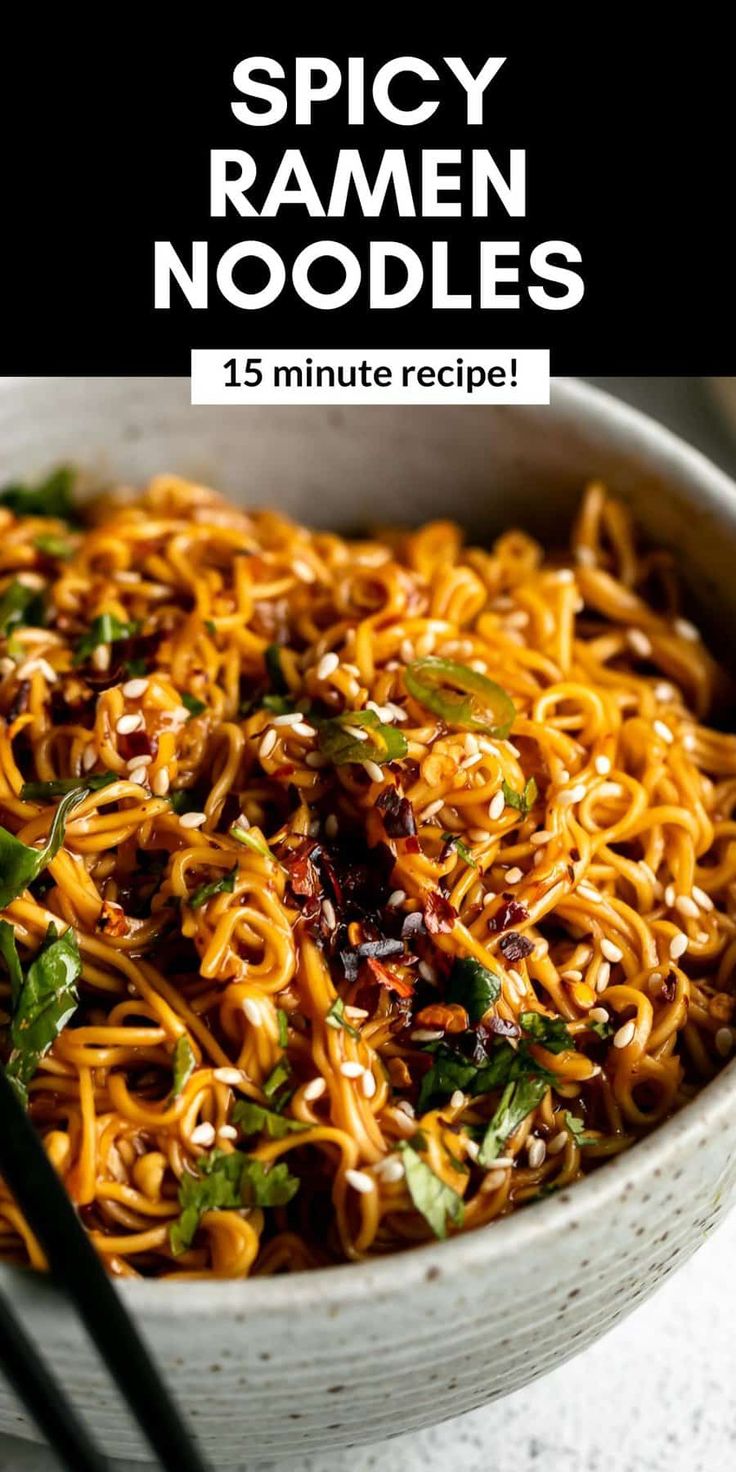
[396, 888]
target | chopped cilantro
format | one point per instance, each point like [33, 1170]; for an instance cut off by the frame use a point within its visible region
[437, 1202]
[473, 986]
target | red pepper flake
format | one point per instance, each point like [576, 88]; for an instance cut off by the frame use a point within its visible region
[515, 947]
[388, 978]
[303, 875]
[668, 988]
[111, 919]
[510, 912]
[397, 813]
[439, 915]
[412, 846]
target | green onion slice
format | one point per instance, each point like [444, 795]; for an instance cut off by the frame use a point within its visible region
[463, 698]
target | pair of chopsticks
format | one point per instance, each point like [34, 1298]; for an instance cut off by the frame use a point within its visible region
[76, 1267]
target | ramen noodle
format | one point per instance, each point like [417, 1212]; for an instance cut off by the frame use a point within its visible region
[354, 892]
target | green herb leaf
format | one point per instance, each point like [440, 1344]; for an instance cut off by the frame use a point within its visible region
[19, 605]
[450, 1070]
[194, 706]
[523, 801]
[105, 629]
[9, 953]
[47, 999]
[272, 661]
[135, 669]
[517, 1101]
[460, 848]
[183, 1064]
[577, 1130]
[19, 864]
[59, 786]
[52, 497]
[228, 1182]
[255, 1120]
[277, 1078]
[550, 1032]
[283, 1022]
[253, 840]
[336, 1018]
[52, 546]
[210, 626]
[462, 697]
[437, 1202]
[225, 884]
[384, 744]
[473, 986]
[279, 705]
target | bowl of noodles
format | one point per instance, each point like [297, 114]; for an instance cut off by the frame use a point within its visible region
[367, 862]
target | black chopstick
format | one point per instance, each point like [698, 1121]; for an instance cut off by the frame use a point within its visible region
[76, 1267]
[44, 1398]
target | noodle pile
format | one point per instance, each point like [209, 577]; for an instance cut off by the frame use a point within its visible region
[393, 884]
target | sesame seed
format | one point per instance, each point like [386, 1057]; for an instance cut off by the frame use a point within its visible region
[360, 1181]
[302, 728]
[160, 782]
[373, 770]
[357, 1013]
[139, 761]
[536, 1151]
[316, 759]
[406, 1108]
[639, 642]
[670, 895]
[203, 1134]
[232, 1076]
[89, 758]
[138, 774]
[689, 741]
[503, 1162]
[471, 761]
[368, 1083]
[701, 898]
[396, 711]
[517, 620]
[303, 570]
[563, 776]
[127, 724]
[431, 809]
[496, 805]
[227, 1132]
[472, 1148]
[557, 1143]
[565, 575]
[603, 977]
[457, 1099]
[252, 1011]
[678, 945]
[407, 651]
[664, 692]
[471, 743]
[598, 1014]
[602, 765]
[193, 820]
[351, 1070]
[101, 657]
[490, 897]
[610, 951]
[328, 912]
[571, 975]
[479, 835]
[133, 689]
[687, 906]
[392, 1170]
[686, 629]
[331, 826]
[663, 730]
[625, 1035]
[540, 838]
[315, 1089]
[268, 743]
[290, 718]
[513, 876]
[356, 732]
[327, 665]
[426, 1035]
[724, 1041]
[396, 898]
[573, 794]
[585, 557]
[427, 972]
[510, 748]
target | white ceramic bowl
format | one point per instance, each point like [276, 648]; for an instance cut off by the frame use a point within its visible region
[351, 1354]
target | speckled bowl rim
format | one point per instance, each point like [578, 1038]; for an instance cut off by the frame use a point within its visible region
[332, 1288]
